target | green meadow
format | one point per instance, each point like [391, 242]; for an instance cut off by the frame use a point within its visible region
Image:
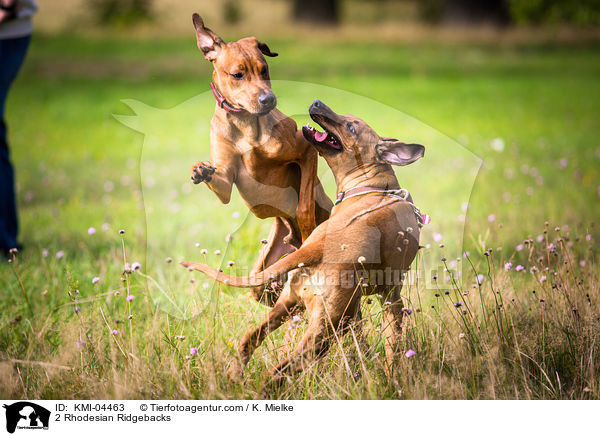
[103, 132]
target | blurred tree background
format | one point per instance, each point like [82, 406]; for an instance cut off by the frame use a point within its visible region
[121, 12]
[327, 12]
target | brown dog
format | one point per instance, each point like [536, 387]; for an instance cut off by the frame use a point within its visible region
[259, 149]
[373, 228]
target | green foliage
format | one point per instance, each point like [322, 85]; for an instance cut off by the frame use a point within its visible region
[579, 13]
[121, 12]
[77, 168]
[232, 12]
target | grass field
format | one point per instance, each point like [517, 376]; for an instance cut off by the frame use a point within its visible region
[530, 112]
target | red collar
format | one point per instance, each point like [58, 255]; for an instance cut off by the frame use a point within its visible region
[222, 102]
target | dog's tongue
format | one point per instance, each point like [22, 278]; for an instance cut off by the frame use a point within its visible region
[320, 136]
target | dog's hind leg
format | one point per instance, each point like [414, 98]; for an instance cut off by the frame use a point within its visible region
[314, 344]
[282, 310]
[274, 250]
[358, 335]
[392, 328]
[325, 322]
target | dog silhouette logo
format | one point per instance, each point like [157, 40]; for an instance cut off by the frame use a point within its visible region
[26, 415]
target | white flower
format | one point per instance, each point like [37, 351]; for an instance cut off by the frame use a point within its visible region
[362, 259]
[497, 144]
[136, 266]
[91, 231]
[95, 280]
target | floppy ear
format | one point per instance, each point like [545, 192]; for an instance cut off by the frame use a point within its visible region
[264, 48]
[394, 152]
[208, 41]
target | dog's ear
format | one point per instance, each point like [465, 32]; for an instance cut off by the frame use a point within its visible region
[264, 48]
[208, 41]
[394, 152]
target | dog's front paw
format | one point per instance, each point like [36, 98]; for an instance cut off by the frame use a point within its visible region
[202, 172]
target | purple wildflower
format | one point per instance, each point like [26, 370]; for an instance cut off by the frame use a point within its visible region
[410, 353]
[563, 163]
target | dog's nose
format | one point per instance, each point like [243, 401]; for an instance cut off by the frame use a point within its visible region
[317, 103]
[266, 99]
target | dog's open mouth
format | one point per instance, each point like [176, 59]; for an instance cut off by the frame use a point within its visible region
[321, 139]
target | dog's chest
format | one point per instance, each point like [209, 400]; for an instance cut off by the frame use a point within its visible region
[268, 151]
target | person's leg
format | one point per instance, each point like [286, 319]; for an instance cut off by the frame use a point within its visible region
[12, 53]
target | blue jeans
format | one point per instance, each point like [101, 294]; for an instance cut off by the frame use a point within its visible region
[12, 53]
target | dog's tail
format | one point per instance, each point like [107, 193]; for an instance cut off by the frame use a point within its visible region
[305, 256]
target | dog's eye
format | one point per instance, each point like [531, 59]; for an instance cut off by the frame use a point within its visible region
[237, 76]
[351, 128]
[265, 72]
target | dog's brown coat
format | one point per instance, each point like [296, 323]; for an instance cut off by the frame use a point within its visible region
[381, 231]
[260, 150]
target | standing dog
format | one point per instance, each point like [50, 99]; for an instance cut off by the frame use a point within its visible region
[259, 149]
[374, 228]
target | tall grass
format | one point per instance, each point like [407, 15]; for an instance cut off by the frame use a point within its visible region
[523, 324]
[77, 167]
